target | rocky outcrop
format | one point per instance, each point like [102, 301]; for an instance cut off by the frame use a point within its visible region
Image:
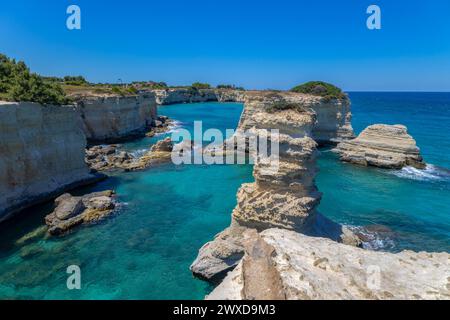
[332, 117]
[284, 196]
[72, 211]
[384, 146]
[184, 95]
[160, 152]
[111, 157]
[107, 157]
[285, 265]
[41, 154]
[189, 95]
[116, 118]
[230, 95]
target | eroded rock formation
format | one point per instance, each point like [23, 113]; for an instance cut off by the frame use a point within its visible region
[187, 95]
[41, 154]
[333, 117]
[72, 211]
[284, 196]
[281, 264]
[384, 146]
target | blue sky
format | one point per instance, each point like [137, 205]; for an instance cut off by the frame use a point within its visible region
[256, 44]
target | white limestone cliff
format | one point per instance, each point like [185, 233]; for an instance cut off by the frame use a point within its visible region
[115, 118]
[41, 154]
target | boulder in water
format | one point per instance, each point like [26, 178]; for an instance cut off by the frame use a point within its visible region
[384, 146]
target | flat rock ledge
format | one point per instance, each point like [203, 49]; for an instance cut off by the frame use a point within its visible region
[384, 146]
[72, 211]
[285, 265]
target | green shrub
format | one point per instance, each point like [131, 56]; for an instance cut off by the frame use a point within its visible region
[199, 85]
[75, 81]
[229, 86]
[320, 88]
[132, 90]
[225, 86]
[17, 83]
[117, 90]
[283, 105]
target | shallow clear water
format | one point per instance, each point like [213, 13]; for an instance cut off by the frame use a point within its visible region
[167, 213]
[144, 252]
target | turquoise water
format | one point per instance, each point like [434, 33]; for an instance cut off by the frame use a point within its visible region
[414, 204]
[167, 213]
[144, 252]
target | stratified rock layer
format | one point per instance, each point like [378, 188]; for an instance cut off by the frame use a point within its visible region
[281, 264]
[189, 95]
[284, 196]
[333, 117]
[384, 146]
[116, 118]
[41, 154]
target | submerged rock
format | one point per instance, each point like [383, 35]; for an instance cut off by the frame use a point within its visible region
[71, 211]
[281, 264]
[384, 146]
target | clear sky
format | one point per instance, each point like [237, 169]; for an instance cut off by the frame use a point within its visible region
[257, 44]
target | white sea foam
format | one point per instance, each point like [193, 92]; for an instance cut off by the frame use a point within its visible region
[138, 153]
[173, 127]
[430, 173]
[374, 240]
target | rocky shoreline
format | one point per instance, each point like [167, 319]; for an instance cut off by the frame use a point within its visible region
[110, 156]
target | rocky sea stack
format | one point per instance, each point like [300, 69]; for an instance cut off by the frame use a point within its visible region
[384, 146]
[286, 197]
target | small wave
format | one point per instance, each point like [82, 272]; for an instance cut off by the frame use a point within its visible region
[138, 153]
[173, 127]
[374, 240]
[430, 173]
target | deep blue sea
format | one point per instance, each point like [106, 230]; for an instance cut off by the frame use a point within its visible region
[167, 213]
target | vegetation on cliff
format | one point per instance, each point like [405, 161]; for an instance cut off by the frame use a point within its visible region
[17, 83]
[320, 88]
[284, 105]
[199, 85]
[229, 86]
